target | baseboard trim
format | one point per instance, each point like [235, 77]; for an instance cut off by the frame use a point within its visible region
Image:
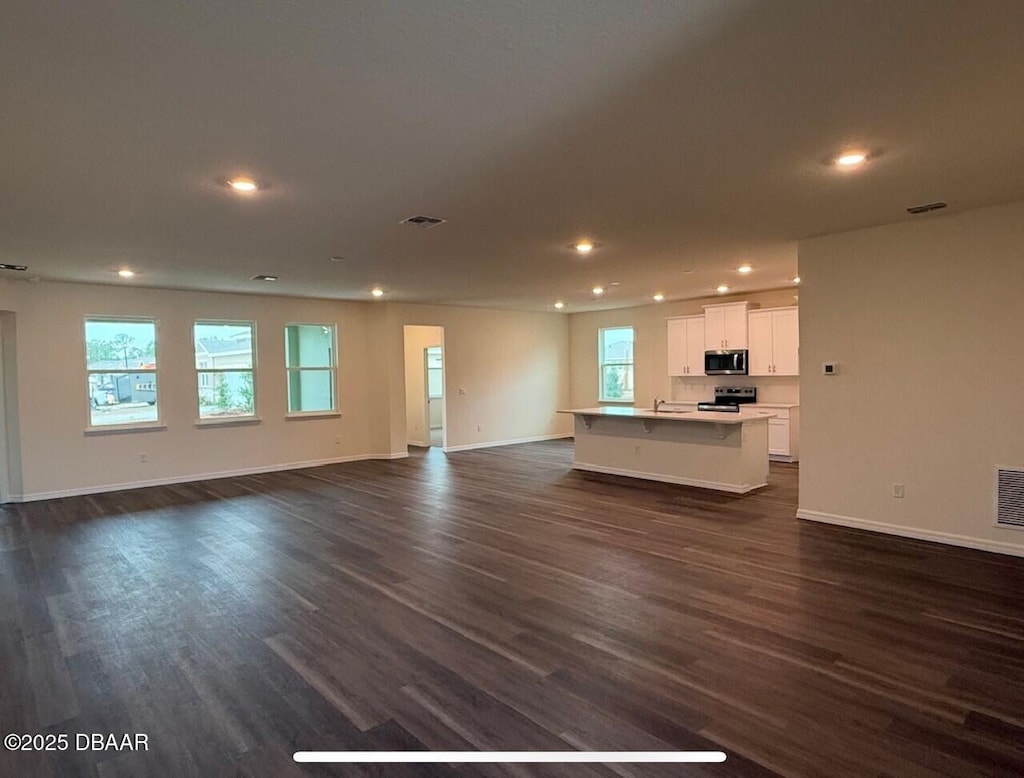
[185, 479]
[669, 479]
[516, 441]
[946, 538]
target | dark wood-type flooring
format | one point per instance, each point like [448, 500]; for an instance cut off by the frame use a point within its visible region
[498, 600]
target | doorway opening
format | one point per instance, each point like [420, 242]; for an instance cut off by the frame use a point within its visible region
[433, 362]
[425, 412]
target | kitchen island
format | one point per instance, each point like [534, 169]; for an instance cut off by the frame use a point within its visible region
[723, 451]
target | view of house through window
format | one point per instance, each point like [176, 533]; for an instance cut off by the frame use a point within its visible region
[120, 360]
[225, 369]
[615, 356]
[310, 363]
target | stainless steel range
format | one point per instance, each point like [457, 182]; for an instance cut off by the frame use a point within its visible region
[728, 399]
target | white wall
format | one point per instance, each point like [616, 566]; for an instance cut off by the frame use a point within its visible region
[513, 368]
[506, 373]
[650, 352]
[57, 456]
[926, 320]
[417, 338]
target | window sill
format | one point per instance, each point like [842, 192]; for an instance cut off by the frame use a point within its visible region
[120, 429]
[616, 402]
[235, 421]
[312, 415]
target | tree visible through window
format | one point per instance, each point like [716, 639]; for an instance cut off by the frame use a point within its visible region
[225, 369]
[310, 362]
[120, 358]
[615, 358]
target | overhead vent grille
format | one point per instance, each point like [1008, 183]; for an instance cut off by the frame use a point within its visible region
[1010, 497]
[926, 208]
[5, 266]
[423, 222]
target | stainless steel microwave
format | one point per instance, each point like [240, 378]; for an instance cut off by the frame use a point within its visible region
[733, 362]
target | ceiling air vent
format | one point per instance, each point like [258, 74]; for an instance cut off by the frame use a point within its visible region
[926, 208]
[5, 266]
[423, 222]
[1010, 497]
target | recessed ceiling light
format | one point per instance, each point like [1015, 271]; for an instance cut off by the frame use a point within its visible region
[337, 258]
[559, 305]
[722, 289]
[796, 279]
[584, 246]
[744, 269]
[244, 185]
[687, 272]
[125, 273]
[598, 291]
[264, 278]
[377, 291]
[851, 159]
[658, 297]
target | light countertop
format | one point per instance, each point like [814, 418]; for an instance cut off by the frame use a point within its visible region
[746, 405]
[647, 413]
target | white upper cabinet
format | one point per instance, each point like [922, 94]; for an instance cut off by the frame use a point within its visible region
[686, 346]
[774, 338]
[725, 326]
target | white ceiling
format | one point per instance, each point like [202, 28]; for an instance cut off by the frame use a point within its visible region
[682, 136]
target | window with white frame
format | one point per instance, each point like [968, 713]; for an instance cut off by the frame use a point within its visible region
[615, 360]
[121, 367]
[310, 363]
[225, 368]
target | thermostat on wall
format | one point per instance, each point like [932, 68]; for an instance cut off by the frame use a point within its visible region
[829, 368]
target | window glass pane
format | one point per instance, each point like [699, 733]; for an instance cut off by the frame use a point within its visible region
[122, 398]
[226, 394]
[433, 356]
[435, 382]
[309, 345]
[120, 345]
[223, 346]
[310, 390]
[617, 345]
[617, 382]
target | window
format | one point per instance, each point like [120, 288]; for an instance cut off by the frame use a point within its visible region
[310, 363]
[225, 369]
[120, 361]
[615, 358]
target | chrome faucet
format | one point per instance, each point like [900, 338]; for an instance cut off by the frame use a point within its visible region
[657, 403]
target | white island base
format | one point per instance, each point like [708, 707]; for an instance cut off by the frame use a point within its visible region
[726, 452]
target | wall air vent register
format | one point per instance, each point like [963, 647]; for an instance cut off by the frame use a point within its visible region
[1010, 497]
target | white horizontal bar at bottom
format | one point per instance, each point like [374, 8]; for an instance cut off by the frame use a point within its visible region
[507, 757]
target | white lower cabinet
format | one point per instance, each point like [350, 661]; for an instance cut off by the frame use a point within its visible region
[783, 433]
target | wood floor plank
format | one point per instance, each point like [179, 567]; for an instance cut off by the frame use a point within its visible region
[499, 599]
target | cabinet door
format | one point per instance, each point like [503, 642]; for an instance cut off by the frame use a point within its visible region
[677, 360]
[760, 343]
[735, 327]
[778, 436]
[695, 346]
[786, 334]
[714, 329]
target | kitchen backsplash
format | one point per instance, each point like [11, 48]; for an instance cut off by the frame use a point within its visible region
[783, 389]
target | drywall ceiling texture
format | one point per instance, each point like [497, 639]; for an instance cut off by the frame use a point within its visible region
[678, 135]
[651, 352]
[924, 320]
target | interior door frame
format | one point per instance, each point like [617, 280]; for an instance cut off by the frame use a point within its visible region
[427, 398]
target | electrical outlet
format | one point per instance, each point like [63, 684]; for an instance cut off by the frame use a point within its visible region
[462, 390]
[897, 491]
[337, 441]
[143, 458]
